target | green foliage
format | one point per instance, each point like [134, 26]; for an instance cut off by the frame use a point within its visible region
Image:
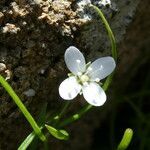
[31, 137]
[126, 139]
[27, 141]
[58, 134]
[22, 107]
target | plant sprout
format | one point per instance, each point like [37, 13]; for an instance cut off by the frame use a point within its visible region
[85, 78]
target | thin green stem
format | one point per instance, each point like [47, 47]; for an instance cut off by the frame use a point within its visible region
[22, 107]
[27, 141]
[110, 33]
[57, 117]
[76, 116]
[108, 82]
[32, 135]
[113, 44]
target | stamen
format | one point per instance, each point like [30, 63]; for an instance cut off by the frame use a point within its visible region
[97, 80]
[79, 73]
[84, 78]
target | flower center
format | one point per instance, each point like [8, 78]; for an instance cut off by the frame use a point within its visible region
[84, 78]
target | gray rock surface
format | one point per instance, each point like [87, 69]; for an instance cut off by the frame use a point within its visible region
[33, 38]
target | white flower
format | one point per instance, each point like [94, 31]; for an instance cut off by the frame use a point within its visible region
[85, 78]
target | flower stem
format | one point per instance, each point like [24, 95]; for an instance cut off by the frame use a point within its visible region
[23, 109]
[110, 33]
[76, 116]
[113, 44]
[57, 117]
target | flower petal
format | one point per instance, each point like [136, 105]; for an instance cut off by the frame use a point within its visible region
[75, 60]
[69, 88]
[101, 68]
[94, 94]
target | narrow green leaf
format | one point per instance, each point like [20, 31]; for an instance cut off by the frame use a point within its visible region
[22, 108]
[32, 136]
[59, 134]
[41, 121]
[76, 116]
[126, 139]
[27, 141]
[109, 31]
